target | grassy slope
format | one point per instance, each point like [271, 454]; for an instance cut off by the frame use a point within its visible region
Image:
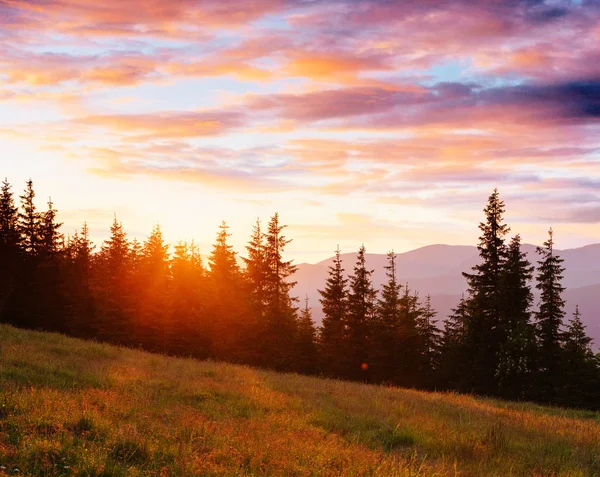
[69, 407]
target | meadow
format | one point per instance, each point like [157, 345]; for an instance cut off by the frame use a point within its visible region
[70, 407]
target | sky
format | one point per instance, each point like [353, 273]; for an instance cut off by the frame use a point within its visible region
[380, 122]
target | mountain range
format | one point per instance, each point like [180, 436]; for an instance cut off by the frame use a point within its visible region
[436, 270]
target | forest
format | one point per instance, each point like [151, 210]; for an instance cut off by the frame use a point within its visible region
[241, 308]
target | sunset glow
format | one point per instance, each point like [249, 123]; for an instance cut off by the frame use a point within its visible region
[377, 122]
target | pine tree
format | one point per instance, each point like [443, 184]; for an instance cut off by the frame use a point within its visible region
[51, 275]
[431, 341]
[517, 345]
[189, 302]
[113, 288]
[256, 272]
[223, 262]
[453, 359]
[484, 331]
[580, 368]
[549, 321]
[410, 363]
[82, 253]
[115, 252]
[152, 309]
[81, 313]
[334, 301]
[36, 300]
[386, 340]
[9, 244]
[280, 311]
[306, 342]
[29, 224]
[49, 235]
[9, 235]
[361, 307]
[232, 330]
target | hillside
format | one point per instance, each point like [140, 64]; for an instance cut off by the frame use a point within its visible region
[69, 407]
[436, 270]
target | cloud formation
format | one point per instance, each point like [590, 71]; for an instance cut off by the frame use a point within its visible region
[396, 104]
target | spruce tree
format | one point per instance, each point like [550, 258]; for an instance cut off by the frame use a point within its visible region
[581, 368]
[51, 273]
[256, 271]
[113, 287]
[224, 268]
[49, 235]
[517, 345]
[231, 334]
[280, 311]
[82, 313]
[9, 244]
[188, 302]
[82, 253]
[410, 363]
[152, 308]
[453, 359]
[29, 224]
[385, 337]
[484, 331]
[361, 307]
[332, 334]
[31, 299]
[306, 342]
[9, 235]
[549, 321]
[430, 342]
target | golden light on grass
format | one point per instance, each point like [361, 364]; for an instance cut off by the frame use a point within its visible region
[70, 407]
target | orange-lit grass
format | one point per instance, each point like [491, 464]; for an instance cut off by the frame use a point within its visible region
[69, 407]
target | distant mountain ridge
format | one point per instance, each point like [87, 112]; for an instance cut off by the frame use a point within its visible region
[436, 270]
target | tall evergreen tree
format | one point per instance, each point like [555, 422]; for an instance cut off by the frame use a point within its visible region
[82, 313]
[484, 331]
[386, 343]
[224, 268]
[50, 273]
[334, 301]
[152, 307]
[113, 287]
[25, 306]
[257, 271]
[280, 311]
[430, 342]
[49, 235]
[581, 368]
[9, 235]
[411, 360]
[453, 360]
[231, 324]
[517, 345]
[9, 244]
[361, 307]
[188, 302]
[549, 321]
[306, 342]
[29, 224]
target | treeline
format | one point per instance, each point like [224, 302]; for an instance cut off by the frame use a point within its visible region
[165, 299]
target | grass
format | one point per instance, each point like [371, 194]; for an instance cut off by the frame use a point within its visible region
[69, 407]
